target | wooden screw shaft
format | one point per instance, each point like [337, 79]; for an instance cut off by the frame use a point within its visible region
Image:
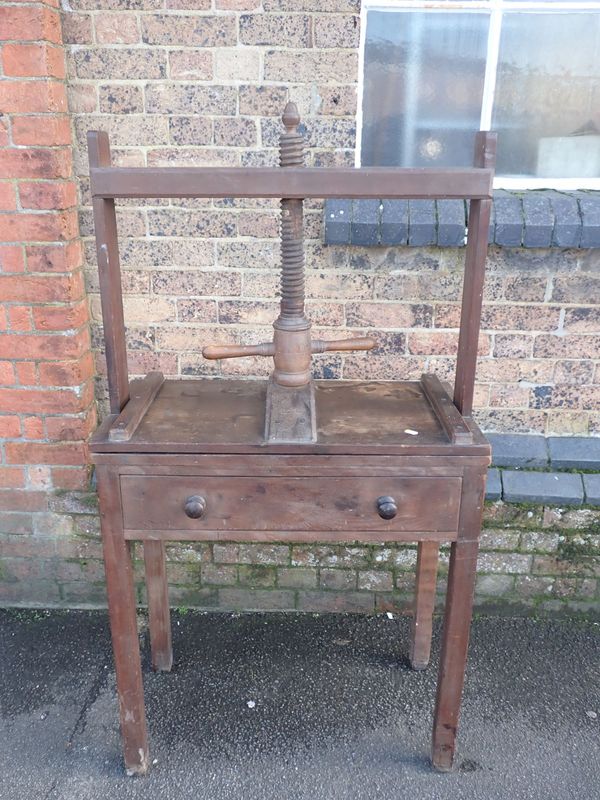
[292, 346]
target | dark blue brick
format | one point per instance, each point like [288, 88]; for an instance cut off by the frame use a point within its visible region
[508, 229]
[451, 219]
[591, 485]
[554, 488]
[493, 487]
[518, 450]
[567, 220]
[365, 222]
[394, 222]
[574, 452]
[538, 220]
[338, 216]
[421, 223]
[589, 206]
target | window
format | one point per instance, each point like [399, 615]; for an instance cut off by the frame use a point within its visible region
[433, 72]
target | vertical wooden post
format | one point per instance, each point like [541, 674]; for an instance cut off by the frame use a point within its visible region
[123, 623]
[477, 245]
[457, 620]
[422, 621]
[158, 605]
[107, 248]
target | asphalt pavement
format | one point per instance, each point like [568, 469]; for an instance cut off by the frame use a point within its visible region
[301, 707]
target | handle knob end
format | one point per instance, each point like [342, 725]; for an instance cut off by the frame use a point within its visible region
[386, 507]
[195, 506]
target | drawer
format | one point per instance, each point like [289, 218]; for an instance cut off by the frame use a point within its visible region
[289, 504]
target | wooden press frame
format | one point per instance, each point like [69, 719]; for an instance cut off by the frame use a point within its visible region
[127, 409]
[109, 183]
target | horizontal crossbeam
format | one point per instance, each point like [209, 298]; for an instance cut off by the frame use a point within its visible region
[294, 183]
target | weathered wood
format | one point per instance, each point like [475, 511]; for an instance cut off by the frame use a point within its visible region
[368, 417]
[123, 623]
[109, 273]
[290, 504]
[295, 537]
[187, 460]
[293, 183]
[472, 298]
[290, 414]
[159, 618]
[424, 604]
[445, 410]
[457, 621]
[142, 393]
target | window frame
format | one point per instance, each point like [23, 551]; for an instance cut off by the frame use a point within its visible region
[495, 8]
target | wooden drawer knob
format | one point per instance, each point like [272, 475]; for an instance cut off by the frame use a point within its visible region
[195, 506]
[386, 507]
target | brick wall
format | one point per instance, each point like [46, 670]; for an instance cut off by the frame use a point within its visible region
[46, 367]
[176, 82]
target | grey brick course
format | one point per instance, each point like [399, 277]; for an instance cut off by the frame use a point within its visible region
[365, 222]
[542, 487]
[421, 223]
[508, 229]
[538, 220]
[574, 452]
[518, 450]
[394, 222]
[591, 486]
[532, 219]
[493, 488]
[567, 219]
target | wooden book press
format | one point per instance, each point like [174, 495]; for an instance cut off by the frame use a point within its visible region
[290, 460]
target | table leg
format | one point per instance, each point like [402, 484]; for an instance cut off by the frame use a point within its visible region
[457, 621]
[123, 624]
[158, 605]
[422, 621]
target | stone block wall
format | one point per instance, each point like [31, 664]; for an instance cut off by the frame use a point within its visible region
[533, 559]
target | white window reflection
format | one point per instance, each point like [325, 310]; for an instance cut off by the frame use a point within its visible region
[530, 70]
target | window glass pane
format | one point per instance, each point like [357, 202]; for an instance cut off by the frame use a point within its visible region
[423, 85]
[547, 100]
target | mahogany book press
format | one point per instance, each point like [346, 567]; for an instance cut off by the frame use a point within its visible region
[289, 459]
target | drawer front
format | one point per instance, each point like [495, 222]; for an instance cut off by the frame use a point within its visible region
[289, 504]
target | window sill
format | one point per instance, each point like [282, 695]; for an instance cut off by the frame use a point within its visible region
[535, 218]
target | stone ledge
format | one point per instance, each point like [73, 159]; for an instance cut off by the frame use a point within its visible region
[518, 450]
[534, 451]
[553, 488]
[574, 452]
[534, 218]
[591, 487]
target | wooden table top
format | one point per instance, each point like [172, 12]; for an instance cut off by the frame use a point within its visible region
[353, 417]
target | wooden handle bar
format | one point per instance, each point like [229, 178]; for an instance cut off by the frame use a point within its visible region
[358, 343]
[214, 351]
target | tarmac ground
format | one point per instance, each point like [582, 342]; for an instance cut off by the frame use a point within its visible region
[299, 706]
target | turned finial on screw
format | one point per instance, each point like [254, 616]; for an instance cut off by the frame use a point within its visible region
[290, 116]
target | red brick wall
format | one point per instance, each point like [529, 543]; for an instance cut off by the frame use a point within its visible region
[46, 367]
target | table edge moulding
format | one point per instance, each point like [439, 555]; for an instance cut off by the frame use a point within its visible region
[289, 459]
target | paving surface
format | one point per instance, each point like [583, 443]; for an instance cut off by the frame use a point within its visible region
[299, 706]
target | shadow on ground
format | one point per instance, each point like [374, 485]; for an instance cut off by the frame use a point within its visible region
[299, 706]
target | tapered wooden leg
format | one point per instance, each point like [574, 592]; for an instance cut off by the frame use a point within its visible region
[425, 584]
[457, 621]
[158, 605]
[123, 624]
